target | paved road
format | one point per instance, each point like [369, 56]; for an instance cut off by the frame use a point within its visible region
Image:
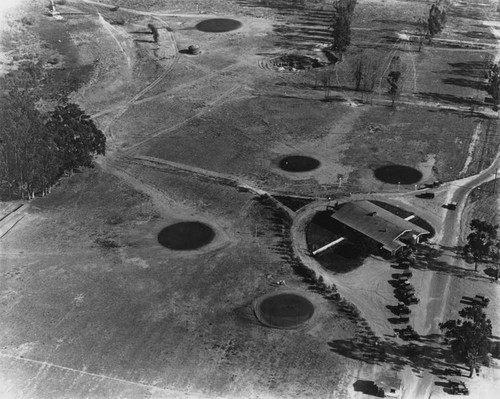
[442, 284]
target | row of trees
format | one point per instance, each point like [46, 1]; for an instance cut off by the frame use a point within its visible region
[342, 15]
[493, 86]
[365, 74]
[469, 337]
[436, 20]
[36, 148]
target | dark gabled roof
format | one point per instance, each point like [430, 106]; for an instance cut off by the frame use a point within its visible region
[377, 223]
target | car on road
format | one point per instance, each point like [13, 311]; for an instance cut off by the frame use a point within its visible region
[450, 206]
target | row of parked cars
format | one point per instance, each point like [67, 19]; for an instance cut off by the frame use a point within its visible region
[405, 294]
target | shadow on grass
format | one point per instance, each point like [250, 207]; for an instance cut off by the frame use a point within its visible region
[300, 24]
[428, 258]
[466, 12]
[473, 69]
[465, 83]
[428, 355]
[461, 113]
[396, 22]
[448, 98]
[479, 35]
[492, 272]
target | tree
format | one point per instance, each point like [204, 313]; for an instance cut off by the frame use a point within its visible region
[341, 25]
[77, 138]
[326, 78]
[469, 337]
[36, 148]
[436, 20]
[370, 75]
[495, 257]
[27, 157]
[364, 72]
[154, 32]
[480, 240]
[393, 80]
[493, 87]
[358, 72]
[422, 32]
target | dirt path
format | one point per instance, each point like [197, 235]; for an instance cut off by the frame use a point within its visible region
[138, 12]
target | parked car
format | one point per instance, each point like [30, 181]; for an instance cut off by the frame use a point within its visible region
[408, 299]
[405, 290]
[452, 371]
[402, 308]
[451, 206]
[408, 334]
[458, 388]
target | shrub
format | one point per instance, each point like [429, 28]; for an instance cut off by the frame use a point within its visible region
[107, 243]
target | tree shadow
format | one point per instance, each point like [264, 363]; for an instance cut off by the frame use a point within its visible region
[473, 69]
[143, 41]
[461, 113]
[428, 355]
[448, 98]
[466, 13]
[491, 272]
[398, 320]
[300, 25]
[427, 258]
[465, 83]
[397, 21]
[479, 35]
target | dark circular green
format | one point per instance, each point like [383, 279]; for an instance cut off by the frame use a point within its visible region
[285, 310]
[218, 25]
[395, 174]
[186, 236]
[298, 163]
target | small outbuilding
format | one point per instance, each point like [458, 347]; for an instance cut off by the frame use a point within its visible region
[389, 387]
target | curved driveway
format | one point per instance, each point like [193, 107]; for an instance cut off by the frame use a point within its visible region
[366, 289]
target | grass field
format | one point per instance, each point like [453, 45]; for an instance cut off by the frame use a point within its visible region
[93, 306]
